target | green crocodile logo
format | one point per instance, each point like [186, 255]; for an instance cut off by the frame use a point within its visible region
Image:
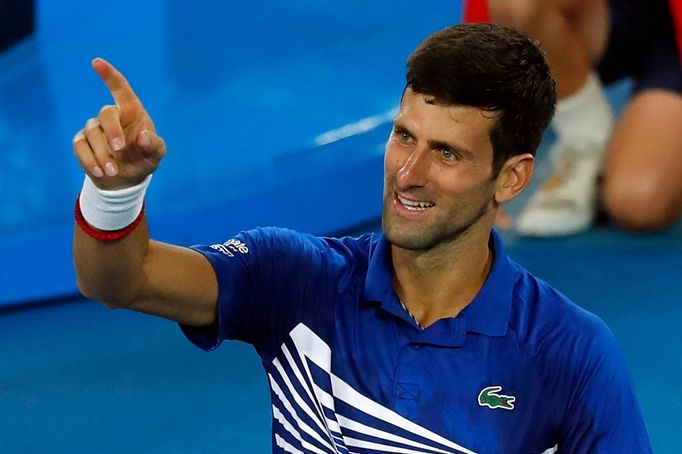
[489, 398]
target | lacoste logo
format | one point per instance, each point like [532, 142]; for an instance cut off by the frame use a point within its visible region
[488, 397]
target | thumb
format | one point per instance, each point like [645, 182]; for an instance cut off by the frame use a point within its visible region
[151, 145]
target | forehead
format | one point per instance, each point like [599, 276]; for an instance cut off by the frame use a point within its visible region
[466, 125]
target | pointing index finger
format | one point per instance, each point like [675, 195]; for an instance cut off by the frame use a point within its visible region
[127, 101]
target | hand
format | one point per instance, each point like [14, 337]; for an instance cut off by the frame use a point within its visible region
[119, 148]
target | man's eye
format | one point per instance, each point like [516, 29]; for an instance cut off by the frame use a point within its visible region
[404, 137]
[448, 155]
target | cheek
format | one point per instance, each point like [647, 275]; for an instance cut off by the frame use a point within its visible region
[391, 160]
[463, 185]
[389, 168]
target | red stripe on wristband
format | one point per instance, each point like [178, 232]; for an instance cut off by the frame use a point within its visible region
[104, 235]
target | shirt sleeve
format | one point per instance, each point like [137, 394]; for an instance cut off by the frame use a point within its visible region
[269, 280]
[603, 415]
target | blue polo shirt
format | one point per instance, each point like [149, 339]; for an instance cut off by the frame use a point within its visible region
[520, 370]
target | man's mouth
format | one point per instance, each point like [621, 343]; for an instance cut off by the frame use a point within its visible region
[414, 205]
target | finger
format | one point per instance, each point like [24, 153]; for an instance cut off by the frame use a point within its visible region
[85, 155]
[153, 146]
[123, 94]
[110, 122]
[100, 148]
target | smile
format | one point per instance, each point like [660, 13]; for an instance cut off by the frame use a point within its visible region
[414, 205]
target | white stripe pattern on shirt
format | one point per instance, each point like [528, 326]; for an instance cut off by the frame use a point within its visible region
[313, 424]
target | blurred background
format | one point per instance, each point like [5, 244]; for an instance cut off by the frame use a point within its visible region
[275, 113]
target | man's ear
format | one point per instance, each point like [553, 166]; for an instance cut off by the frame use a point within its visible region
[514, 177]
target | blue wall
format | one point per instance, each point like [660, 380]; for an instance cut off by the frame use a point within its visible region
[241, 91]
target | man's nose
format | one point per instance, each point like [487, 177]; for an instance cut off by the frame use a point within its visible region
[414, 171]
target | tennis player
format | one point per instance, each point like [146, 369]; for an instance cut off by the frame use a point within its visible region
[425, 338]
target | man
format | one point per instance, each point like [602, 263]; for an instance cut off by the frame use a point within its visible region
[590, 42]
[424, 339]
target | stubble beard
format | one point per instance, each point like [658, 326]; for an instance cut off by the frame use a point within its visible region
[427, 237]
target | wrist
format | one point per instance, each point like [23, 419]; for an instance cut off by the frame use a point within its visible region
[110, 214]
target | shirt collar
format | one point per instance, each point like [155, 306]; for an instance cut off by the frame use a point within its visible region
[488, 313]
[379, 280]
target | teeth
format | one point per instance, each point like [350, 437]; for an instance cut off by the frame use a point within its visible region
[414, 206]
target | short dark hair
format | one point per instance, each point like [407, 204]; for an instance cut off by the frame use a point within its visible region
[493, 68]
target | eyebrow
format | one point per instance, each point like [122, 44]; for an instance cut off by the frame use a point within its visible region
[435, 144]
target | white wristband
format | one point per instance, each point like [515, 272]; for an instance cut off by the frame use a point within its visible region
[111, 210]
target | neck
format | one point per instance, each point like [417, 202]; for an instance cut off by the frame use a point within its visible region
[442, 281]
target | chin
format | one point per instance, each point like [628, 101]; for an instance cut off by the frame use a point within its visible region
[416, 238]
[409, 238]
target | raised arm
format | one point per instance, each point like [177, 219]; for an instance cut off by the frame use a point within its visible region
[119, 150]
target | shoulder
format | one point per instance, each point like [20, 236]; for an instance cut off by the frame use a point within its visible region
[553, 329]
[352, 249]
[264, 242]
[289, 247]
[580, 371]
[282, 239]
[584, 374]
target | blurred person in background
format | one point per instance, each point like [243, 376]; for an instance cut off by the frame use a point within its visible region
[630, 167]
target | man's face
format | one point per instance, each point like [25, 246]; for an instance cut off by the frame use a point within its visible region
[437, 173]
